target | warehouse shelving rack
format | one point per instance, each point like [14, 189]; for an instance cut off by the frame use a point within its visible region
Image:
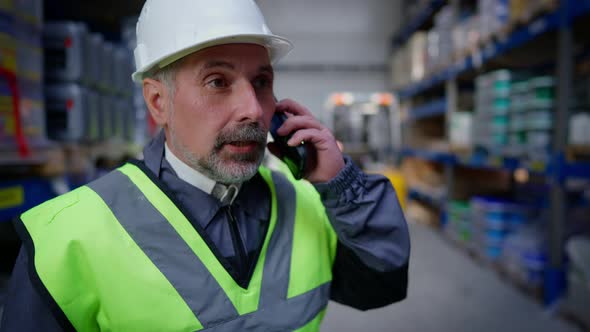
[34, 172]
[557, 169]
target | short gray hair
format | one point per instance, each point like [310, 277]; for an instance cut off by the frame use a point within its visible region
[167, 75]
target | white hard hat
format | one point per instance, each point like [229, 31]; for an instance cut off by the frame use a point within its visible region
[168, 30]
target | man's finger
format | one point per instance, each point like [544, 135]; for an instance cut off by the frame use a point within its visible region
[293, 107]
[298, 122]
[313, 136]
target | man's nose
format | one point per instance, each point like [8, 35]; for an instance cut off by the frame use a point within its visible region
[248, 108]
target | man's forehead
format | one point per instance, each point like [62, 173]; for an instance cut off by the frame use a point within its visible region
[232, 56]
[216, 63]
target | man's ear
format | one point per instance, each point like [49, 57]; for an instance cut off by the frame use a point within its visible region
[157, 99]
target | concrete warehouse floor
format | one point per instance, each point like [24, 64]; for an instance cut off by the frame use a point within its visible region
[448, 292]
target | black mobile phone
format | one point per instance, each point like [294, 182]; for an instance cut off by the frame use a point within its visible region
[294, 156]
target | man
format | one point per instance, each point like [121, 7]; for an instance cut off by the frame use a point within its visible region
[198, 236]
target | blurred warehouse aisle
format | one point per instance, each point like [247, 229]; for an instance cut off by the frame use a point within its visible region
[448, 292]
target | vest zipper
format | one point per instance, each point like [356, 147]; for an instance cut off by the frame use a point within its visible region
[237, 242]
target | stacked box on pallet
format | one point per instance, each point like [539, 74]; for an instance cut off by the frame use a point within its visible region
[21, 57]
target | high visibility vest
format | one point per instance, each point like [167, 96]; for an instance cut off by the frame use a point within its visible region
[119, 255]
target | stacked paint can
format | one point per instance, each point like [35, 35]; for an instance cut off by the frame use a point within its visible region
[89, 90]
[493, 220]
[524, 255]
[459, 226]
[514, 113]
[532, 102]
[21, 74]
[492, 102]
[145, 128]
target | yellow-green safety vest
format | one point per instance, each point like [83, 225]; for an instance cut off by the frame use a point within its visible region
[119, 255]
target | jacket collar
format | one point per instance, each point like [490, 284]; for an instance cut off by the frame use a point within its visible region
[248, 198]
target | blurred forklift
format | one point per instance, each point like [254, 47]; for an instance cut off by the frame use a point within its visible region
[368, 129]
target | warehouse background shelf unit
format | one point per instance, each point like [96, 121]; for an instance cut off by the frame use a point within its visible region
[430, 109]
[418, 21]
[580, 170]
[495, 48]
[502, 72]
[79, 115]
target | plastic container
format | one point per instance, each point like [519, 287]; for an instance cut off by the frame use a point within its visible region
[539, 139]
[119, 68]
[106, 84]
[92, 123]
[500, 123]
[501, 106]
[539, 120]
[123, 68]
[106, 121]
[119, 115]
[66, 106]
[130, 122]
[65, 44]
[518, 121]
[525, 255]
[94, 45]
[579, 128]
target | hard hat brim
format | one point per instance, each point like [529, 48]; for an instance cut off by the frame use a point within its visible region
[278, 47]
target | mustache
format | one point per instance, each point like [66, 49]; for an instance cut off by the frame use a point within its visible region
[252, 132]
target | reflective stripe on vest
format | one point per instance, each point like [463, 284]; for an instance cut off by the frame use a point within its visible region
[277, 299]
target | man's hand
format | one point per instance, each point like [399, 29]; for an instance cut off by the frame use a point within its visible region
[325, 159]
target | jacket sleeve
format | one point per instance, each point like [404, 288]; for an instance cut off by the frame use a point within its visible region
[25, 310]
[372, 257]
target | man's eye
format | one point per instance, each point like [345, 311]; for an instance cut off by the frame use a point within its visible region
[262, 82]
[217, 83]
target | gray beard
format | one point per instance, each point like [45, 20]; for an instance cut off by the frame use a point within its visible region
[233, 169]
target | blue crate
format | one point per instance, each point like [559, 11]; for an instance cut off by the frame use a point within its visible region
[19, 196]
